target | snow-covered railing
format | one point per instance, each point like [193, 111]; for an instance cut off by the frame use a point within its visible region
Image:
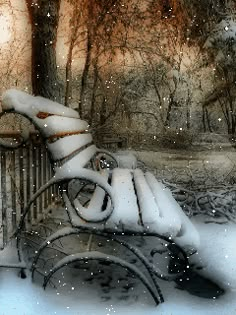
[23, 171]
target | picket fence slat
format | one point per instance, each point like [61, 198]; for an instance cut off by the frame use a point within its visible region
[45, 176]
[28, 179]
[34, 178]
[4, 198]
[39, 182]
[23, 171]
[13, 188]
[21, 177]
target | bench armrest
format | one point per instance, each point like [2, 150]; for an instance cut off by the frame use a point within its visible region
[86, 214]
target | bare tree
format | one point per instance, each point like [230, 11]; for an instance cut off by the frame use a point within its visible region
[222, 53]
[102, 27]
[147, 32]
[44, 17]
[13, 49]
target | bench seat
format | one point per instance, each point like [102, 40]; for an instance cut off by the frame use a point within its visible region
[141, 204]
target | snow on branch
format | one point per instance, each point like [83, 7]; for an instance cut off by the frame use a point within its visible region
[216, 202]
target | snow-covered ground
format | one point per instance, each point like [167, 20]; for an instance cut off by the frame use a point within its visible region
[201, 167]
[23, 297]
[89, 288]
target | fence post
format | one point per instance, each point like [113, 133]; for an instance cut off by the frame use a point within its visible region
[34, 178]
[21, 176]
[39, 182]
[28, 178]
[48, 177]
[4, 197]
[23, 171]
[45, 203]
[13, 188]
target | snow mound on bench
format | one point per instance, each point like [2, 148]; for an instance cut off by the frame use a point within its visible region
[29, 105]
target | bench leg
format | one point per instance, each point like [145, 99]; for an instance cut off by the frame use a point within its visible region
[21, 225]
[104, 258]
[153, 272]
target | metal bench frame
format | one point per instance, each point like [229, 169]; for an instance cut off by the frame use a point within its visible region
[151, 274]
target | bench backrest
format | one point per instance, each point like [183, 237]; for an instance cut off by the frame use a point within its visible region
[65, 134]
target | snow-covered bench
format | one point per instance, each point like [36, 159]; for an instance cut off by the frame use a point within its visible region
[124, 201]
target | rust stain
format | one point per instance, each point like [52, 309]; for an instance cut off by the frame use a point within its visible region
[43, 115]
[64, 134]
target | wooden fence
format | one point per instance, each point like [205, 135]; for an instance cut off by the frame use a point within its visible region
[23, 172]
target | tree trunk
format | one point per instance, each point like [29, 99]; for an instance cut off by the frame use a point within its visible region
[75, 27]
[68, 88]
[204, 119]
[208, 120]
[44, 16]
[188, 105]
[84, 77]
[169, 108]
[93, 100]
[188, 117]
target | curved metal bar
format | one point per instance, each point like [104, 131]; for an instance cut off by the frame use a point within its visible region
[152, 270]
[70, 231]
[13, 146]
[79, 191]
[145, 262]
[93, 177]
[100, 232]
[17, 234]
[98, 256]
[55, 236]
[105, 152]
[52, 181]
[150, 266]
[23, 136]
[32, 200]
